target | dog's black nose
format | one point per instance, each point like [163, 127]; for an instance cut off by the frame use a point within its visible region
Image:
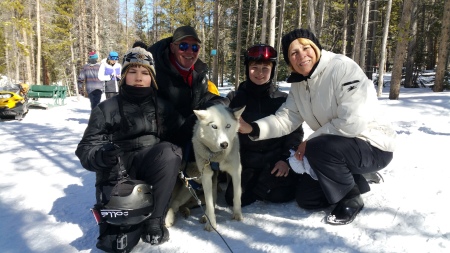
[224, 145]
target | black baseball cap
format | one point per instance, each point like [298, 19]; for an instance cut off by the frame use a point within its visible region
[183, 32]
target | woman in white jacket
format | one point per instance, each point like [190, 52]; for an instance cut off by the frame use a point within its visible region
[110, 73]
[332, 94]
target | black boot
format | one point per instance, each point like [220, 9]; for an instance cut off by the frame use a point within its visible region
[346, 209]
[155, 232]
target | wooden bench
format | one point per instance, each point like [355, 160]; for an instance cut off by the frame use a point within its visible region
[58, 93]
[62, 94]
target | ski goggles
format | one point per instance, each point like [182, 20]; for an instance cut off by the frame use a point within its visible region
[184, 46]
[262, 52]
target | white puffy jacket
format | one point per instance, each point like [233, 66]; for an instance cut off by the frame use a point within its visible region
[338, 99]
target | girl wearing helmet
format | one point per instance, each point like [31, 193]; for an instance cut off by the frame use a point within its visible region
[266, 174]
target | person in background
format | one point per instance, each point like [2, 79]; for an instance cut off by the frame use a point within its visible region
[110, 73]
[333, 95]
[88, 81]
[183, 76]
[139, 43]
[266, 173]
[131, 130]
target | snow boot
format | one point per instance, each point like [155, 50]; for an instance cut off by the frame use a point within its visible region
[347, 208]
[155, 232]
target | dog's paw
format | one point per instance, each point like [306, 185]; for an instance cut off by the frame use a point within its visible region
[237, 216]
[185, 211]
[170, 218]
[203, 219]
[209, 227]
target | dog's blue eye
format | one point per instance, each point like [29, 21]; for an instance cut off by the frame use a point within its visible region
[214, 126]
[228, 126]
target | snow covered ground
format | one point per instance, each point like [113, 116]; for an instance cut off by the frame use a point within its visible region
[45, 194]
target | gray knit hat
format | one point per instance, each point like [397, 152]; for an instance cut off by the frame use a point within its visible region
[295, 34]
[141, 57]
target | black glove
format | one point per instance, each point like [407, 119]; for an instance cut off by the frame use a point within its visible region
[108, 155]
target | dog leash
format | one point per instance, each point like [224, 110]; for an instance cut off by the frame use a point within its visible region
[189, 182]
[199, 202]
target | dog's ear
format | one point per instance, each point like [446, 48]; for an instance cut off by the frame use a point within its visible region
[238, 111]
[201, 114]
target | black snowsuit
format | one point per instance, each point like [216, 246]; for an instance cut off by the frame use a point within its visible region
[259, 157]
[140, 129]
[174, 89]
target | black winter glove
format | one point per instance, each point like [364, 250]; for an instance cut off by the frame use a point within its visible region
[108, 155]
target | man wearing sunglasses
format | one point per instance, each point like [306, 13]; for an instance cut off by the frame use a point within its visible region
[182, 76]
[109, 72]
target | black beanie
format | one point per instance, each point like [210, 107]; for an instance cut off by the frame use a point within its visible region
[295, 34]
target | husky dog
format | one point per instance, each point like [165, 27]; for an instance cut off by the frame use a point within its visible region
[215, 139]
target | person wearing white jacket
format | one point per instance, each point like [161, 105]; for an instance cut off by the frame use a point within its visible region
[110, 73]
[332, 94]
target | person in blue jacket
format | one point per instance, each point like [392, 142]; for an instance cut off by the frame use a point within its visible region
[109, 72]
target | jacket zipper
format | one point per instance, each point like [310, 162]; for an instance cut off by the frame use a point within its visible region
[310, 102]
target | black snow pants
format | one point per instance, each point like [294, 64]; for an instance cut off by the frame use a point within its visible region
[157, 166]
[339, 163]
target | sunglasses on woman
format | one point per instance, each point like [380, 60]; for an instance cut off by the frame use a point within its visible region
[184, 46]
[114, 58]
[262, 52]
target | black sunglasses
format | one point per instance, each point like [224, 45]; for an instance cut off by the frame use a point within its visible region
[184, 46]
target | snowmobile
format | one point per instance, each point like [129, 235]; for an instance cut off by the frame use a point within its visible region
[14, 101]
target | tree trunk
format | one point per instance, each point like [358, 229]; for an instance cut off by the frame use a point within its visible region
[345, 28]
[382, 64]
[400, 50]
[216, 43]
[299, 16]
[273, 10]
[280, 32]
[83, 32]
[410, 73]
[319, 24]
[443, 49]
[362, 60]
[311, 16]
[255, 20]
[7, 56]
[357, 35]
[38, 38]
[238, 44]
[16, 55]
[96, 41]
[126, 24]
[74, 69]
[373, 24]
[264, 24]
[27, 57]
[249, 23]
[30, 38]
